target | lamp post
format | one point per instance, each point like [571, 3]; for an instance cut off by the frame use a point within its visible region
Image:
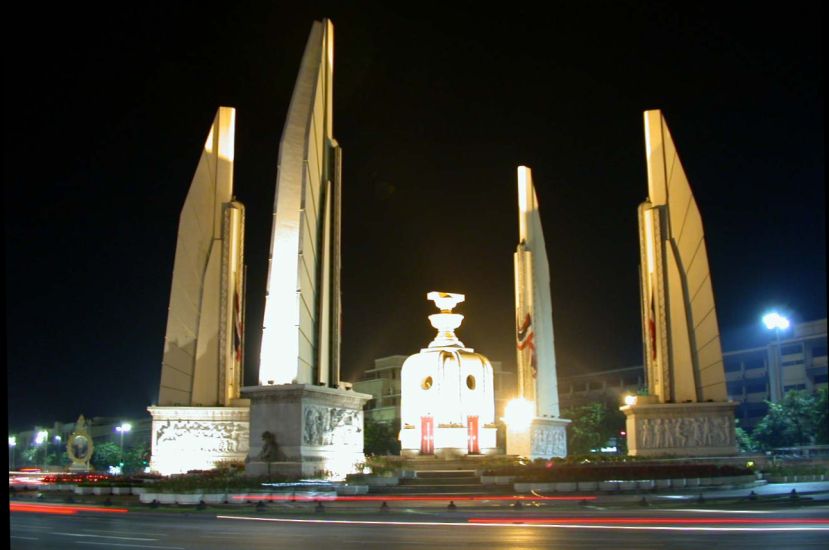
[40, 439]
[12, 445]
[776, 322]
[124, 427]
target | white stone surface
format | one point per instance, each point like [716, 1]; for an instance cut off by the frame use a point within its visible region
[200, 364]
[447, 384]
[196, 438]
[696, 429]
[300, 339]
[683, 355]
[537, 360]
[545, 438]
[314, 429]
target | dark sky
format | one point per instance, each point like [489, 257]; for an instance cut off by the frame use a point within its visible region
[107, 110]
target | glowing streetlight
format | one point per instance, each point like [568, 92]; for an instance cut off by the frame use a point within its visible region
[630, 400]
[775, 321]
[40, 439]
[124, 427]
[519, 414]
[12, 445]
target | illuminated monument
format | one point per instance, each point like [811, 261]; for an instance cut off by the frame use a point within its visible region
[534, 428]
[302, 419]
[447, 401]
[199, 419]
[687, 410]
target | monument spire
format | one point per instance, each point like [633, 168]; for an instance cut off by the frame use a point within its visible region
[537, 383]
[686, 411]
[303, 419]
[300, 333]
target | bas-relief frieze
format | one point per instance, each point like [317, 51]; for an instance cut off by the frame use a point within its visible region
[664, 433]
[548, 441]
[325, 426]
[215, 437]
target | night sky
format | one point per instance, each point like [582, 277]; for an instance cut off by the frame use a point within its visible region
[107, 110]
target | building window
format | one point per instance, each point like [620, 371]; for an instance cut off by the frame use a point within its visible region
[819, 351]
[794, 387]
[735, 388]
[792, 362]
[756, 387]
[755, 363]
[732, 366]
[820, 379]
[755, 410]
[792, 349]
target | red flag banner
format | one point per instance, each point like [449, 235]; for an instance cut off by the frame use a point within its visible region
[237, 326]
[526, 340]
[652, 328]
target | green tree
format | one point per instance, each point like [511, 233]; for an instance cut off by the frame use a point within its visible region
[380, 438]
[31, 456]
[592, 426]
[744, 439]
[136, 458]
[821, 422]
[106, 455]
[792, 421]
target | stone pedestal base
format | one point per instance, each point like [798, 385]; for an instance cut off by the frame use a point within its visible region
[681, 429]
[197, 438]
[80, 468]
[304, 430]
[544, 438]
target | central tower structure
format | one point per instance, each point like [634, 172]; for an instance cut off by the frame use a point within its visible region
[303, 420]
[447, 406]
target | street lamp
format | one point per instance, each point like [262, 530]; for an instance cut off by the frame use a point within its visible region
[124, 427]
[40, 439]
[776, 322]
[12, 445]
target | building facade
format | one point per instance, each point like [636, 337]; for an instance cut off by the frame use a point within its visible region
[794, 360]
[608, 386]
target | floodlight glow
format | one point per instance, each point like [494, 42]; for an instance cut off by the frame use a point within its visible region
[12, 441]
[519, 414]
[774, 320]
[41, 437]
[57, 439]
[125, 427]
[630, 400]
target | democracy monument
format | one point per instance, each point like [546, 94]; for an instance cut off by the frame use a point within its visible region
[686, 411]
[300, 419]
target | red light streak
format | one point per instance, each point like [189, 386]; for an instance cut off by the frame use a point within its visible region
[393, 498]
[60, 509]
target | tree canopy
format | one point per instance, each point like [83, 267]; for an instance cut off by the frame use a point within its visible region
[798, 419]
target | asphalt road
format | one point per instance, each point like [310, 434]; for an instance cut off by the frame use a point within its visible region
[485, 528]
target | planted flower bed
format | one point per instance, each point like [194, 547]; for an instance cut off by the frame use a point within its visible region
[620, 472]
[789, 473]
